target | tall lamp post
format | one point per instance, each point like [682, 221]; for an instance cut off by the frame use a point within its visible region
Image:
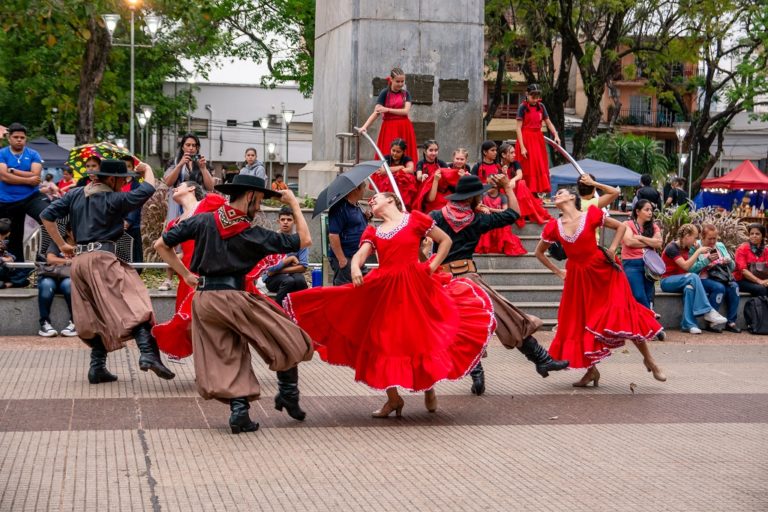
[264, 123]
[148, 110]
[152, 24]
[271, 148]
[681, 130]
[142, 119]
[287, 117]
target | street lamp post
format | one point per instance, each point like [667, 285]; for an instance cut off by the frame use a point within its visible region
[264, 123]
[152, 24]
[271, 148]
[287, 117]
[148, 110]
[681, 130]
[142, 119]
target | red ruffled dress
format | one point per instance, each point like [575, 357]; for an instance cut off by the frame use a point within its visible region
[597, 309]
[531, 208]
[174, 337]
[406, 182]
[395, 126]
[499, 240]
[404, 326]
[449, 178]
[536, 166]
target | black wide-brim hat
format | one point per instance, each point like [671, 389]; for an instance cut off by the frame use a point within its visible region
[245, 183]
[114, 168]
[469, 186]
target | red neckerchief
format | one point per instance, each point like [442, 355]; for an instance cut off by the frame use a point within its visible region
[458, 215]
[230, 221]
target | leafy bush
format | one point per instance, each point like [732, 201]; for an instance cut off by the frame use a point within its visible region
[638, 153]
[731, 231]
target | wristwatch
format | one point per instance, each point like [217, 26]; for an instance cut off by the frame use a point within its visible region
[11, 169]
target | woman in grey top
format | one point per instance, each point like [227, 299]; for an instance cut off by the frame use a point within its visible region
[253, 167]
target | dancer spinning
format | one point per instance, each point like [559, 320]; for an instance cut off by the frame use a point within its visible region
[175, 336]
[402, 325]
[597, 312]
[109, 301]
[458, 219]
[531, 146]
[394, 105]
[226, 320]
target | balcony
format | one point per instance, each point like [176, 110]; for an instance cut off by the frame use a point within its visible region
[661, 118]
[504, 111]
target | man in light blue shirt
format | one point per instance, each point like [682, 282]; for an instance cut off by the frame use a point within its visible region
[288, 275]
[20, 169]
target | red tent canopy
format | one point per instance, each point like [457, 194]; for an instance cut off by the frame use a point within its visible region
[745, 177]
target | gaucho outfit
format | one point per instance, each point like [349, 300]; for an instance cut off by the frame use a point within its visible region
[110, 303]
[514, 328]
[404, 326]
[227, 321]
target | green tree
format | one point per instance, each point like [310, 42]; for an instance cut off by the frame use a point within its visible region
[640, 154]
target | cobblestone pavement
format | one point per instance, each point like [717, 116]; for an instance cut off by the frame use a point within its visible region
[694, 443]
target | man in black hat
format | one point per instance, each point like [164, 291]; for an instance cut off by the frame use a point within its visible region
[110, 303]
[226, 320]
[514, 329]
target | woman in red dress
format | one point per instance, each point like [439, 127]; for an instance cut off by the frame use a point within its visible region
[403, 324]
[597, 310]
[394, 104]
[174, 337]
[531, 207]
[402, 168]
[530, 141]
[500, 240]
[427, 166]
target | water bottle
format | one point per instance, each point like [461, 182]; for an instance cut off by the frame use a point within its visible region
[317, 277]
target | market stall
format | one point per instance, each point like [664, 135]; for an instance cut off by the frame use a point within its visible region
[742, 191]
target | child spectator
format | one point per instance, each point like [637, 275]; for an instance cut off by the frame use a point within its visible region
[9, 277]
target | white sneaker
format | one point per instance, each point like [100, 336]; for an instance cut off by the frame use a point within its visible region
[47, 330]
[694, 330]
[715, 318]
[69, 331]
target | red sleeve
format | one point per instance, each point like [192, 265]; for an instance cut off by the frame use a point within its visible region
[369, 237]
[595, 217]
[742, 257]
[421, 222]
[549, 234]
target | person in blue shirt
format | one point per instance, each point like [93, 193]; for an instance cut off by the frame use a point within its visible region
[346, 223]
[288, 275]
[20, 169]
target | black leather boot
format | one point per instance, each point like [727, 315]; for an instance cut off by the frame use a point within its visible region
[540, 357]
[150, 354]
[98, 372]
[288, 393]
[239, 421]
[478, 379]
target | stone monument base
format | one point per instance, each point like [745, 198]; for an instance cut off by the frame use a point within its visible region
[315, 176]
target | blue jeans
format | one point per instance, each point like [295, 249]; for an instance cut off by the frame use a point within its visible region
[47, 287]
[695, 302]
[643, 289]
[717, 292]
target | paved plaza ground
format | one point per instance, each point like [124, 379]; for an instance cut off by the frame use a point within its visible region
[698, 442]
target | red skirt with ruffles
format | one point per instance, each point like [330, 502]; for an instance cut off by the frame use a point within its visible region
[536, 166]
[500, 241]
[398, 128]
[403, 327]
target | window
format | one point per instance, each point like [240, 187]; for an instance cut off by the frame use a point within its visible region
[199, 127]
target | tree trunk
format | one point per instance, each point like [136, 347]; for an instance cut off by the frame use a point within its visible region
[588, 126]
[91, 73]
[495, 100]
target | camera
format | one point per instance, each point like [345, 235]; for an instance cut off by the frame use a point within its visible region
[195, 157]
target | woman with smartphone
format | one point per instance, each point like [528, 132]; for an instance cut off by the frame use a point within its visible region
[677, 278]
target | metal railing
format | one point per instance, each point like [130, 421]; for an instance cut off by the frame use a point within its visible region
[661, 118]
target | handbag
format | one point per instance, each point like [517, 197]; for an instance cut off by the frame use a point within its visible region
[758, 269]
[654, 265]
[557, 251]
[53, 271]
[720, 273]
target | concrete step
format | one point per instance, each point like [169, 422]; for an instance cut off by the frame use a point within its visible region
[531, 293]
[544, 309]
[503, 262]
[521, 277]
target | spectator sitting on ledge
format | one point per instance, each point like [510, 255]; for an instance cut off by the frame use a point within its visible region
[9, 277]
[279, 184]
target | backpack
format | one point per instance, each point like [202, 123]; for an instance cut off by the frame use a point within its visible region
[756, 315]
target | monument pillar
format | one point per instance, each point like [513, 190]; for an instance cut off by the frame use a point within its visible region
[438, 43]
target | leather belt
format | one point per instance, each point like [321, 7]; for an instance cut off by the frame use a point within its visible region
[105, 246]
[459, 267]
[213, 283]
